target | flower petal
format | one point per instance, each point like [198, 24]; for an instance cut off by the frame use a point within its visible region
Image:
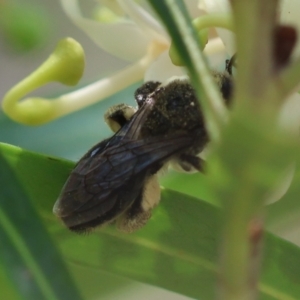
[145, 21]
[220, 6]
[193, 8]
[162, 69]
[216, 54]
[282, 187]
[290, 114]
[289, 14]
[122, 39]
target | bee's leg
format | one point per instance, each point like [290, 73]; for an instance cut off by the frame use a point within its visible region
[140, 212]
[188, 163]
[117, 115]
[133, 220]
[142, 92]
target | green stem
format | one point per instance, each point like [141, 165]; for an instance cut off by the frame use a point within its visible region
[240, 269]
[240, 265]
[255, 21]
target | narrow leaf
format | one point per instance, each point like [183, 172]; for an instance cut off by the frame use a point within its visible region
[27, 253]
[176, 250]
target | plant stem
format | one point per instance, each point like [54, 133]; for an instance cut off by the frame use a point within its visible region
[240, 251]
[255, 22]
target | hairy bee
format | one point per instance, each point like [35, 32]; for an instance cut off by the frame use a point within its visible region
[116, 181]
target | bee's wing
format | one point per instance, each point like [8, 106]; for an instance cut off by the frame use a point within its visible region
[105, 184]
[132, 129]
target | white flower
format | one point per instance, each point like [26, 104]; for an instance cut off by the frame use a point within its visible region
[125, 29]
[133, 29]
[220, 7]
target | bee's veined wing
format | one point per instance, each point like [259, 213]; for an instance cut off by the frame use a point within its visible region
[105, 184]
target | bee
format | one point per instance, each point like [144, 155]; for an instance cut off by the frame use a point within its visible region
[116, 181]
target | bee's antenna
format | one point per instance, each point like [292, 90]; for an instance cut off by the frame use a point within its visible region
[230, 63]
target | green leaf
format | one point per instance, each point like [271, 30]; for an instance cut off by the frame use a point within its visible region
[176, 250]
[196, 185]
[27, 253]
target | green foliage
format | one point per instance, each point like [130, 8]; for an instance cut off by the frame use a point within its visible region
[27, 252]
[177, 250]
[25, 27]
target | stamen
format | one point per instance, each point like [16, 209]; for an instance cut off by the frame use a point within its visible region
[36, 111]
[64, 65]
